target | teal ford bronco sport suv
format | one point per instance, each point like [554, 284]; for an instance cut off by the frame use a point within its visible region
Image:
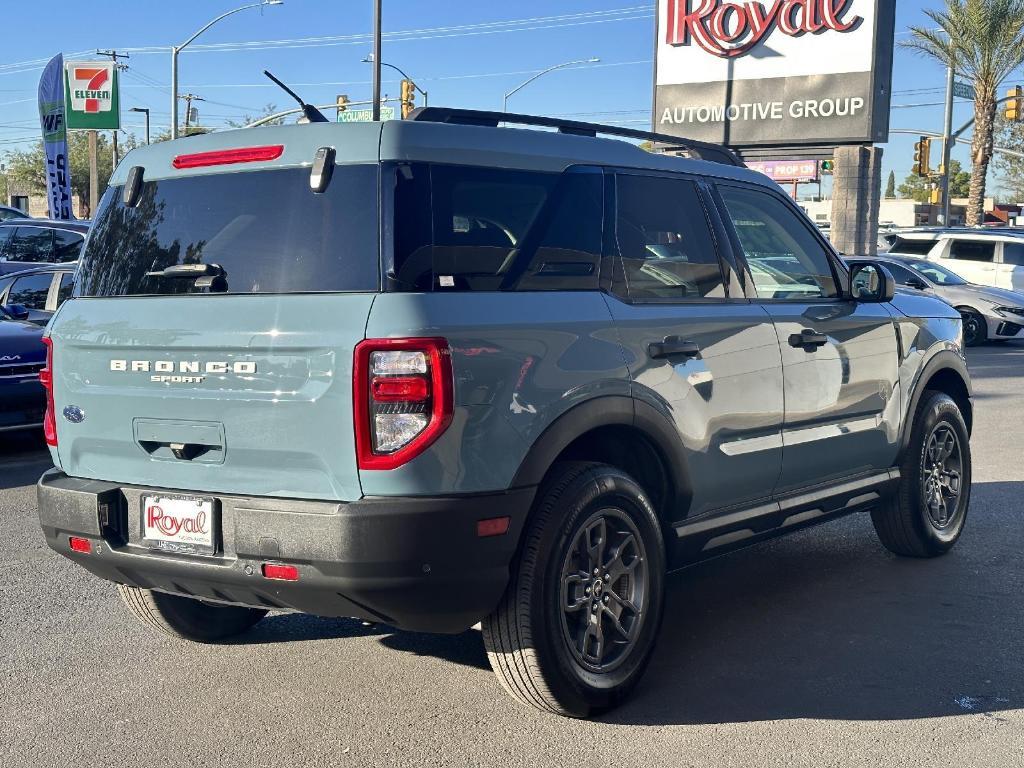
[436, 372]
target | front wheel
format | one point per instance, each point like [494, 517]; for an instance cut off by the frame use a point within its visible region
[975, 328]
[927, 515]
[186, 618]
[576, 626]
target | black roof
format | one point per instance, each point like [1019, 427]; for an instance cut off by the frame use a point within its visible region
[79, 225]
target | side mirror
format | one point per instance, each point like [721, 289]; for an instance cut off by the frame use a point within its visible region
[17, 311]
[871, 283]
[916, 282]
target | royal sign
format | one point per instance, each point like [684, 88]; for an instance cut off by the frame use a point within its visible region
[91, 95]
[775, 73]
[732, 29]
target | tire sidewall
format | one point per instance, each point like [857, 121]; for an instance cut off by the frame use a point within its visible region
[981, 336]
[938, 409]
[581, 690]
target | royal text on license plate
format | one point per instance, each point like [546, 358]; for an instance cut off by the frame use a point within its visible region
[178, 523]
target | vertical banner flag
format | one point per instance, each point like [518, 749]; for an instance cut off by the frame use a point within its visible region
[55, 139]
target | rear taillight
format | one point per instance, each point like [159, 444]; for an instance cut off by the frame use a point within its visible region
[46, 379]
[402, 390]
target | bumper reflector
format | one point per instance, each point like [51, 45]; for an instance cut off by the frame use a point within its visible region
[280, 572]
[493, 526]
[78, 544]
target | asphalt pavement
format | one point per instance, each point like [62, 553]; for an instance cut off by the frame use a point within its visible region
[820, 649]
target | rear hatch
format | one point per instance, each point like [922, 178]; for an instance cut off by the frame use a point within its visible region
[234, 377]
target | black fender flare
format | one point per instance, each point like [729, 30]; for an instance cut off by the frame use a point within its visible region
[610, 411]
[942, 360]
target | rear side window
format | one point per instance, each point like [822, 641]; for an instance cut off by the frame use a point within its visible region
[31, 291]
[30, 244]
[66, 245]
[266, 230]
[487, 229]
[665, 245]
[973, 250]
[912, 247]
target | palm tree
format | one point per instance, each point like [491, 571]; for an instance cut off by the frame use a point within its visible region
[982, 40]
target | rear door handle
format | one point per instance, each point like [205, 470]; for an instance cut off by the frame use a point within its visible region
[673, 346]
[808, 339]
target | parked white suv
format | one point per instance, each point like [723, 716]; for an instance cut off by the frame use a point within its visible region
[986, 257]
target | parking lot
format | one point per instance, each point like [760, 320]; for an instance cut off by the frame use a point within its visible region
[819, 649]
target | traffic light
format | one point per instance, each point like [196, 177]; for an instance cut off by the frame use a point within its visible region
[922, 155]
[408, 97]
[343, 101]
[828, 166]
[1015, 106]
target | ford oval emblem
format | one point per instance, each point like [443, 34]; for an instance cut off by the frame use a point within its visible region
[74, 414]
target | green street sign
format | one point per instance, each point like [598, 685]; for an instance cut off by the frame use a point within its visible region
[365, 115]
[91, 96]
[963, 90]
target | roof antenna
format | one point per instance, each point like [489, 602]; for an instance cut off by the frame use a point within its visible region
[311, 113]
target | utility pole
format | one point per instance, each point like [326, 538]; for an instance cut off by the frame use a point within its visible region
[94, 181]
[114, 56]
[947, 146]
[189, 98]
[375, 115]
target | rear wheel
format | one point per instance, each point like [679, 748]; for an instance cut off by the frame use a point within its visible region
[975, 328]
[577, 624]
[926, 517]
[187, 618]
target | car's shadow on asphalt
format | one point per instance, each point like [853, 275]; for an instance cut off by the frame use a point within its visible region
[822, 624]
[466, 648]
[23, 458]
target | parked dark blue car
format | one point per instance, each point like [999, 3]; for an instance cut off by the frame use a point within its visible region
[22, 356]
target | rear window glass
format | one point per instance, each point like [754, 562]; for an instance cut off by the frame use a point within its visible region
[912, 247]
[265, 230]
[488, 229]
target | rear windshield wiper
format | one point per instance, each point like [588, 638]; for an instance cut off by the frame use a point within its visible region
[209, 276]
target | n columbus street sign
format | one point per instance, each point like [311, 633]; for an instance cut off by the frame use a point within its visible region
[774, 73]
[91, 95]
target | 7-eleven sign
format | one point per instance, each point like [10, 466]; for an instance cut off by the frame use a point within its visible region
[91, 95]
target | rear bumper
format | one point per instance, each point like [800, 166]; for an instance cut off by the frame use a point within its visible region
[415, 563]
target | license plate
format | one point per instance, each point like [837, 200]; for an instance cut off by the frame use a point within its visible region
[178, 524]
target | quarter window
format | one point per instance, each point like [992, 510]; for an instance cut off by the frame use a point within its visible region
[483, 229]
[665, 245]
[786, 261]
[67, 285]
[973, 250]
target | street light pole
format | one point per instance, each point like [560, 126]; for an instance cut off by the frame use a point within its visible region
[375, 114]
[426, 96]
[176, 49]
[145, 111]
[541, 74]
[947, 146]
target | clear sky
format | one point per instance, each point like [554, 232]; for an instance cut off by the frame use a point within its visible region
[463, 53]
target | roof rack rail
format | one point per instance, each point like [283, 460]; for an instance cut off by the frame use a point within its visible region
[701, 150]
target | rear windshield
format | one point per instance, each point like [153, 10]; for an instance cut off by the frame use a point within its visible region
[266, 230]
[912, 247]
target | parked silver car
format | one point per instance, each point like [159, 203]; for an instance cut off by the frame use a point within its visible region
[989, 313]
